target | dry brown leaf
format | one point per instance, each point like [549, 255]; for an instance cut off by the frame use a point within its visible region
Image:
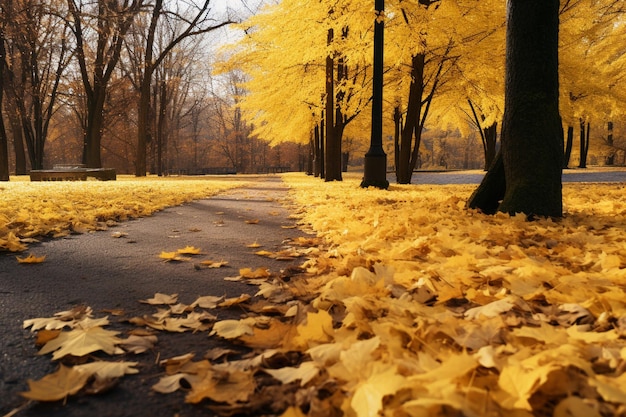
[80, 342]
[57, 386]
[160, 299]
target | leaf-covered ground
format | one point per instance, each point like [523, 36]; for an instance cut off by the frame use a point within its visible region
[409, 305]
[32, 210]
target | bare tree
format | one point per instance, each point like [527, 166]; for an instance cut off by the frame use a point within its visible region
[4, 149]
[199, 23]
[99, 29]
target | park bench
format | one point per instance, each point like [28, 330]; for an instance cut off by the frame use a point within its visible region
[72, 173]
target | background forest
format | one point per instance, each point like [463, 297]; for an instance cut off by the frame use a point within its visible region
[196, 87]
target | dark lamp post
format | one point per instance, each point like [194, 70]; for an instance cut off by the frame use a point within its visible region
[375, 173]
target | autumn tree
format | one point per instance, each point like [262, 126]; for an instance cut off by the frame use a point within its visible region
[39, 56]
[4, 149]
[99, 29]
[310, 71]
[196, 22]
[532, 147]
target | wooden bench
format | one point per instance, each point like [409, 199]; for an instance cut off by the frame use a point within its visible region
[72, 173]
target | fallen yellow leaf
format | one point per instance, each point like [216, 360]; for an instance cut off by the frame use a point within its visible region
[31, 259]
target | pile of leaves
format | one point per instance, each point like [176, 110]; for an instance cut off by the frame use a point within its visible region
[411, 305]
[31, 210]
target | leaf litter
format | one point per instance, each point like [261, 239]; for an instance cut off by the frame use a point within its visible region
[410, 305]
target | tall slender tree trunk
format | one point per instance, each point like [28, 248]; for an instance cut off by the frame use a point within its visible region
[410, 134]
[532, 148]
[4, 143]
[569, 142]
[333, 141]
[584, 143]
[610, 158]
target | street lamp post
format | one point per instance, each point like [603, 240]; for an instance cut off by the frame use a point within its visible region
[375, 173]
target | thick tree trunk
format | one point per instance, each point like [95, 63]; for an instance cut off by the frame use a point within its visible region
[93, 134]
[4, 145]
[334, 126]
[528, 178]
[143, 122]
[18, 139]
[532, 148]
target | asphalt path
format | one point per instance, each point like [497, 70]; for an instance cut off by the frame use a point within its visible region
[104, 272]
[591, 175]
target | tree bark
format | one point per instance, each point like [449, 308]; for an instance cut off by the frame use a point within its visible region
[568, 146]
[329, 113]
[4, 147]
[584, 144]
[529, 178]
[532, 148]
[610, 158]
[407, 148]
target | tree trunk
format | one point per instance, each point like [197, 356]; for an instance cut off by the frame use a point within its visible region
[490, 192]
[488, 136]
[568, 146]
[18, 138]
[4, 145]
[528, 178]
[93, 134]
[408, 148]
[319, 157]
[332, 171]
[610, 159]
[532, 148]
[584, 144]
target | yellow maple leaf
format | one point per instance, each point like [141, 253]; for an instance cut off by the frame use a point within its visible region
[173, 257]
[317, 329]
[57, 386]
[367, 400]
[31, 259]
[254, 221]
[160, 299]
[80, 342]
[254, 245]
[254, 274]
[189, 250]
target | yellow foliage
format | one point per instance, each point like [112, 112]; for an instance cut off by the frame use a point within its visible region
[57, 208]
